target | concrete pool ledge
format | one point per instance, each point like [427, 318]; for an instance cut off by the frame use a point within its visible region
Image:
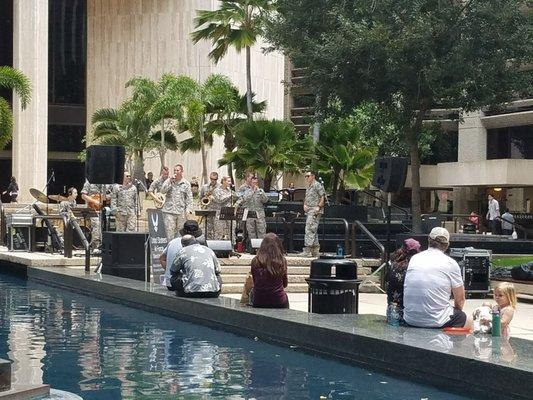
[491, 368]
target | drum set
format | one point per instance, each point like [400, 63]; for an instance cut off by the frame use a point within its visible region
[82, 213]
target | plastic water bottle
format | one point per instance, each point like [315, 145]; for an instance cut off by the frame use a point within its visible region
[340, 250]
[393, 314]
[496, 322]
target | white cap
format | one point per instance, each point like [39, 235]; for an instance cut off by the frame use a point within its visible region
[440, 235]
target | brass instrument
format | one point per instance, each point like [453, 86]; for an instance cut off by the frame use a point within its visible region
[205, 201]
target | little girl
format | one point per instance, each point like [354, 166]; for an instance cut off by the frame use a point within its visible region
[505, 297]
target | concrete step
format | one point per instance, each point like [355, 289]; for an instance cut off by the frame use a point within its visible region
[295, 261]
[291, 270]
[232, 288]
[238, 278]
[297, 284]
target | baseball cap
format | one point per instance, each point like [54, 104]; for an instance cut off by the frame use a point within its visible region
[440, 235]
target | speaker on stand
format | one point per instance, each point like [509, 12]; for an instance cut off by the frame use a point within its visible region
[389, 176]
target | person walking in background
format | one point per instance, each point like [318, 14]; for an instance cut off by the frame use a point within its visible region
[507, 223]
[313, 208]
[12, 190]
[492, 214]
[269, 273]
[396, 273]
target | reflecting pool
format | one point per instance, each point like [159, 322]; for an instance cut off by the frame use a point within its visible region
[102, 350]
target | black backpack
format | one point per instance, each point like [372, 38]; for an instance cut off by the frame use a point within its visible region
[523, 272]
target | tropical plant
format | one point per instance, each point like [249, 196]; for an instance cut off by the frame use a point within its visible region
[343, 154]
[130, 127]
[11, 79]
[238, 24]
[224, 117]
[269, 147]
[215, 94]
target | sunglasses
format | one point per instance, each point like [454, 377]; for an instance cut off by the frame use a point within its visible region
[307, 175]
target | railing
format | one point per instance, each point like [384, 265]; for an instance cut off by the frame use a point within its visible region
[515, 225]
[456, 217]
[358, 225]
[73, 224]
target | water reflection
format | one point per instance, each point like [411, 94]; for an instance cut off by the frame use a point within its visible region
[102, 350]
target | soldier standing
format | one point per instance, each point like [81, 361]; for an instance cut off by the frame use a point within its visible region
[178, 201]
[155, 186]
[313, 208]
[124, 201]
[254, 199]
[91, 193]
[222, 197]
[207, 192]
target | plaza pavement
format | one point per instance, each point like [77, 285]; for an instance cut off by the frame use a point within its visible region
[375, 303]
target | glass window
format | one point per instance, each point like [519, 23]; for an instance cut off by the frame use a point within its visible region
[67, 51]
[510, 142]
[66, 138]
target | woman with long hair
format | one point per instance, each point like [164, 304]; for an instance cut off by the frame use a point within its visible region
[269, 272]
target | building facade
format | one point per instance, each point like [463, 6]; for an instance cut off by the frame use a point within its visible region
[78, 55]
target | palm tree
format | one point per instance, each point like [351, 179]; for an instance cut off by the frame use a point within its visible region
[130, 127]
[269, 147]
[224, 117]
[238, 24]
[342, 154]
[11, 79]
[216, 93]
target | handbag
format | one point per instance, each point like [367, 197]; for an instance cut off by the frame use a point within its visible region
[248, 286]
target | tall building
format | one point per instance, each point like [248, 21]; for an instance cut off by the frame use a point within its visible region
[79, 54]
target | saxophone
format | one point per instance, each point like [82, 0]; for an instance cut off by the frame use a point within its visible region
[204, 202]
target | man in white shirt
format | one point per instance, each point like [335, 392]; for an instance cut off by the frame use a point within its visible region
[431, 278]
[493, 214]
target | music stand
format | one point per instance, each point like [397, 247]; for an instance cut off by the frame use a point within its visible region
[205, 214]
[229, 214]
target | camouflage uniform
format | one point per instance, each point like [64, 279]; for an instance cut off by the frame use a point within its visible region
[91, 189]
[156, 185]
[313, 194]
[254, 201]
[178, 202]
[124, 201]
[207, 190]
[222, 198]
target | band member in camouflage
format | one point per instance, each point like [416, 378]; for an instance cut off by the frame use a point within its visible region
[254, 199]
[206, 192]
[313, 208]
[88, 190]
[124, 200]
[178, 202]
[223, 196]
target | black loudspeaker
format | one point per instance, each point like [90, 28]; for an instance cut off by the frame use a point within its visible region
[390, 173]
[222, 248]
[105, 164]
[123, 255]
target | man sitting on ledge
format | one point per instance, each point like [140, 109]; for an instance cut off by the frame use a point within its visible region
[431, 278]
[195, 271]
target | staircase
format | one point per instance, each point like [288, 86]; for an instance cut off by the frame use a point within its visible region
[235, 271]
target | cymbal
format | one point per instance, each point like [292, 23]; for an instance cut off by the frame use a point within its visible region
[40, 196]
[57, 197]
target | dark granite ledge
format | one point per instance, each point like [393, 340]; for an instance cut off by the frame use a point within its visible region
[476, 364]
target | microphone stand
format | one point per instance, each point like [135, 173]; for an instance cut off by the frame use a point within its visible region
[138, 206]
[45, 189]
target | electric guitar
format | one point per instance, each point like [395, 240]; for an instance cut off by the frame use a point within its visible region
[96, 203]
[158, 198]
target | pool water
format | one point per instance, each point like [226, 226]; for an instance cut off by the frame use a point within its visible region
[101, 350]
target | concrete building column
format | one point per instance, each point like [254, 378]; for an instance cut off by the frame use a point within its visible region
[30, 55]
[472, 146]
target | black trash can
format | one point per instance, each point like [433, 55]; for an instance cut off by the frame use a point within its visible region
[333, 286]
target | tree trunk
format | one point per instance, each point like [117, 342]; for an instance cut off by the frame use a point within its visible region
[411, 137]
[249, 108]
[269, 175]
[162, 150]
[138, 165]
[229, 144]
[203, 151]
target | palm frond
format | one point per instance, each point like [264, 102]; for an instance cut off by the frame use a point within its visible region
[13, 79]
[6, 123]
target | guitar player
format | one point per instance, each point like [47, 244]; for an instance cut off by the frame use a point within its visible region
[91, 194]
[155, 188]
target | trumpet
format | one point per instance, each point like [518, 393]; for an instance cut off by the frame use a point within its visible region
[206, 200]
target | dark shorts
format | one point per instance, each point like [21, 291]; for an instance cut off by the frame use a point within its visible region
[457, 319]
